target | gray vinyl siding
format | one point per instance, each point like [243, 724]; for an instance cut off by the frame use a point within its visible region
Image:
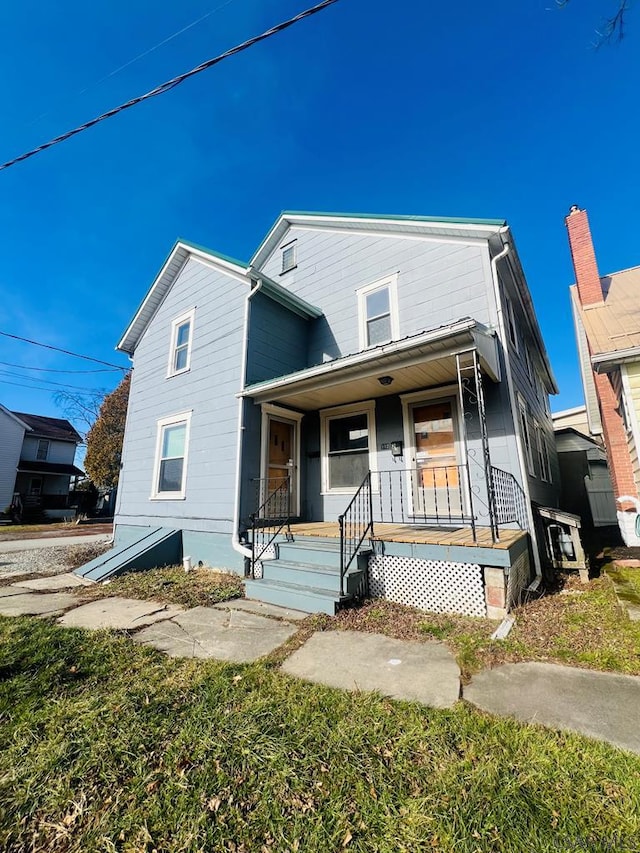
[276, 342]
[59, 451]
[531, 389]
[438, 282]
[11, 436]
[208, 390]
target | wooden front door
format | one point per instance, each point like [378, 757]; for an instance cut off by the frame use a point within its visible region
[435, 477]
[281, 467]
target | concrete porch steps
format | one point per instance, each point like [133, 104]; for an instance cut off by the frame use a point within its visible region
[305, 576]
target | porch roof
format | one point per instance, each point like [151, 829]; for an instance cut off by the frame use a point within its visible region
[35, 467]
[424, 360]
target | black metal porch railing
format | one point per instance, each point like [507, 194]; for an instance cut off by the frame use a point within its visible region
[356, 522]
[510, 503]
[437, 496]
[273, 496]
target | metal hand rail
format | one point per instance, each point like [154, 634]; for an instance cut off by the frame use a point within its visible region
[435, 495]
[271, 517]
[510, 503]
[355, 523]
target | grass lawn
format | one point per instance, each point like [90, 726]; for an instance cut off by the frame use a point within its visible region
[107, 746]
[170, 585]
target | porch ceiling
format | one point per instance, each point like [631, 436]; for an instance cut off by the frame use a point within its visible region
[422, 361]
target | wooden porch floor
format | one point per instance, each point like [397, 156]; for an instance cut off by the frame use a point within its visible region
[417, 534]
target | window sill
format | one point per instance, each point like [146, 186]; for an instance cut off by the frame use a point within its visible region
[168, 496]
[291, 269]
[178, 372]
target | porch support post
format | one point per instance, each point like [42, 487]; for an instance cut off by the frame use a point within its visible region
[484, 434]
[465, 446]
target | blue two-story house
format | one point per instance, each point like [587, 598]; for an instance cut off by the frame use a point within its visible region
[362, 405]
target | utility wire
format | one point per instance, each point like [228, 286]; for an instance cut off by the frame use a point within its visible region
[171, 84]
[137, 58]
[58, 369]
[65, 351]
[39, 388]
[66, 385]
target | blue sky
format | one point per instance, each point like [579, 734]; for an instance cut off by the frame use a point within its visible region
[498, 109]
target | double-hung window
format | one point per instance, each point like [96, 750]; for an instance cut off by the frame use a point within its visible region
[526, 435]
[181, 343]
[43, 450]
[511, 323]
[170, 471]
[348, 446]
[378, 310]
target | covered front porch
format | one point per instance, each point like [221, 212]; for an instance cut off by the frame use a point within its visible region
[392, 445]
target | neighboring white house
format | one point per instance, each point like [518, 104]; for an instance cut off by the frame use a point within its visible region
[37, 456]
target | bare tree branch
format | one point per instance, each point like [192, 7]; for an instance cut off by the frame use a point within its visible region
[613, 27]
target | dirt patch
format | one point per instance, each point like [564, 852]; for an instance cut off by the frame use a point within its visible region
[46, 531]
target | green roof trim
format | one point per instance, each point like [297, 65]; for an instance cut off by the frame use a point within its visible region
[211, 252]
[289, 300]
[399, 217]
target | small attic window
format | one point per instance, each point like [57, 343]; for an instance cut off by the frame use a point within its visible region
[288, 257]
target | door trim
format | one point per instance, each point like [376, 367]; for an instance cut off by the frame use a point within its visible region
[446, 394]
[278, 413]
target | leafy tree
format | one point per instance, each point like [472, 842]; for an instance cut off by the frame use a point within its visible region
[104, 439]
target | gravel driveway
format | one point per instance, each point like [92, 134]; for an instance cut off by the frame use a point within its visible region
[40, 561]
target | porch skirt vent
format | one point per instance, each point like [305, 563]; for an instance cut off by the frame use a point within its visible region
[436, 585]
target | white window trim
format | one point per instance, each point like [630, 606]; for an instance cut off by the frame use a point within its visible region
[367, 407]
[528, 446]
[171, 420]
[278, 413]
[390, 282]
[46, 455]
[529, 364]
[175, 325]
[293, 246]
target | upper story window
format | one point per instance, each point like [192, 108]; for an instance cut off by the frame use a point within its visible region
[289, 260]
[528, 364]
[181, 343]
[378, 311]
[526, 435]
[42, 452]
[511, 323]
[170, 470]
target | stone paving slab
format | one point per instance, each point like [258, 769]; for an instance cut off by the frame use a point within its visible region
[14, 589]
[207, 632]
[67, 580]
[602, 705]
[350, 660]
[262, 609]
[120, 614]
[36, 604]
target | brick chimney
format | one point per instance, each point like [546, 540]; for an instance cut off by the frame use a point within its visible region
[583, 257]
[590, 293]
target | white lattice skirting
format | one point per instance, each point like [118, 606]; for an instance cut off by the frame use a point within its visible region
[518, 579]
[436, 585]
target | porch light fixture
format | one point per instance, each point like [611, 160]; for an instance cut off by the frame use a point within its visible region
[385, 380]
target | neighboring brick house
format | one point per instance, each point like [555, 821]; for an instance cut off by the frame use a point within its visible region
[606, 312]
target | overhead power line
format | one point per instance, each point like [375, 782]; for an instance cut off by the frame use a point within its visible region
[139, 56]
[12, 375]
[171, 84]
[59, 369]
[65, 351]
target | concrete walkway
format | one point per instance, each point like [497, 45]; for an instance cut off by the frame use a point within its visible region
[600, 705]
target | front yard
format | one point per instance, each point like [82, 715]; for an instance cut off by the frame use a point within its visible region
[109, 746]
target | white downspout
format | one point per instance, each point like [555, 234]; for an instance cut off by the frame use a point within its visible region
[514, 405]
[235, 538]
